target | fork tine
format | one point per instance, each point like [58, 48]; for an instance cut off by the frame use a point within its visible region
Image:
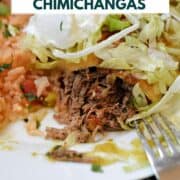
[168, 140]
[148, 150]
[155, 129]
[155, 138]
[171, 128]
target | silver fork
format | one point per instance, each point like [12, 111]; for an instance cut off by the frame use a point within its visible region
[161, 141]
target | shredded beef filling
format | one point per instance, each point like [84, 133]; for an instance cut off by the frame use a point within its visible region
[93, 100]
[62, 154]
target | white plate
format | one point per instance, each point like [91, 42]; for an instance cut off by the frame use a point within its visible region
[18, 160]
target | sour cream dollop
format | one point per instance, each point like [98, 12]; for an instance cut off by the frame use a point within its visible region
[63, 31]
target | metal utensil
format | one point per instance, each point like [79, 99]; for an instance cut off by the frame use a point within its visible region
[161, 140]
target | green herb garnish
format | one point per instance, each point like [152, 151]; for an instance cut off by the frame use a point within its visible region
[6, 32]
[1, 24]
[96, 168]
[4, 67]
[4, 9]
[61, 26]
[30, 97]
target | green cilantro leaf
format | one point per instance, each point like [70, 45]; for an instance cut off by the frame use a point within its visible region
[96, 168]
[4, 67]
[30, 97]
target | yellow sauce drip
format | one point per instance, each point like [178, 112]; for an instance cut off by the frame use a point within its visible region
[7, 145]
[109, 153]
[34, 154]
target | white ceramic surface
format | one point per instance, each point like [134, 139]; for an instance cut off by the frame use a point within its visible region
[17, 161]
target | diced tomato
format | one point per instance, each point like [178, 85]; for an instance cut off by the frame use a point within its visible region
[29, 86]
[93, 122]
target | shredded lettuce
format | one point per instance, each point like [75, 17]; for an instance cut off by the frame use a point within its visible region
[129, 57]
[168, 105]
[135, 43]
[147, 32]
[151, 30]
[155, 66]
[46, 65]
[172, 37]
[163, 78]
[13, 30]
[42, 52]
[139, 97]
[175, 10]
[173, 51]
[114, 23]
[150, 48]
[82, 48]
[69, 56]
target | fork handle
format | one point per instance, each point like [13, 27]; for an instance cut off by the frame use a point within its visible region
[170, 174]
